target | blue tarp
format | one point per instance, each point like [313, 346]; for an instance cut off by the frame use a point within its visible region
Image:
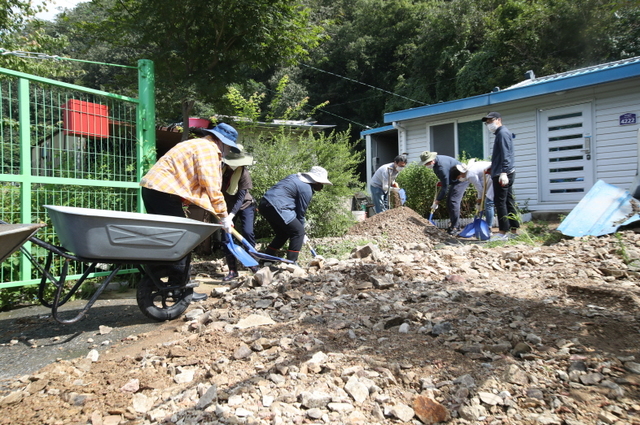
[602, 210]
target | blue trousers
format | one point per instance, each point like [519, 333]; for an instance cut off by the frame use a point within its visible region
[380, 199]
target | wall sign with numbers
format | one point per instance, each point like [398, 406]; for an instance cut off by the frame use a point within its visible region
[626, 119]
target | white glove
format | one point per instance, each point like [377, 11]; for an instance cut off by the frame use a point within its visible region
[306, 239]
[385, 187]
[503, 179]
[434, 206]
[231, 215]
[227, 224]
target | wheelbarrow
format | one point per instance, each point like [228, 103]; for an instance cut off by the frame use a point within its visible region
[97, 237]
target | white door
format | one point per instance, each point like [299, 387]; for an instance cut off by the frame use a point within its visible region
[566, 163]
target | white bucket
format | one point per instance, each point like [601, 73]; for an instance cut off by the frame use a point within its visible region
[359, 215]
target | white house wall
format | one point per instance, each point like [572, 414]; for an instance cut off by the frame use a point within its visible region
[614, 147]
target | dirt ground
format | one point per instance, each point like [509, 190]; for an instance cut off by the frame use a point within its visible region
[566, 315]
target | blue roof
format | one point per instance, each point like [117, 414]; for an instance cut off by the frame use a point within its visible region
[377, 130]
[584, 77]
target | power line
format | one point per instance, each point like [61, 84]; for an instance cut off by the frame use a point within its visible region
[365, 84]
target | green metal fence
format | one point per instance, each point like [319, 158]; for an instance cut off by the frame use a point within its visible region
[69, 145]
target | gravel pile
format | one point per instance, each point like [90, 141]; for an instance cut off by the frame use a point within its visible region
[405, 329]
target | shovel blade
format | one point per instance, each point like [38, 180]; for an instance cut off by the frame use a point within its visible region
[468, 231]
[481, 229]
[237, 251]
[255, 253]
[602, 210]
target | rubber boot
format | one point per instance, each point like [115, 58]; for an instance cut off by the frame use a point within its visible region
[293, 256]
[271, 251]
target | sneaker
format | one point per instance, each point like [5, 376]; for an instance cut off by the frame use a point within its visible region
[498, 237]
[453, 232]
[232, 275]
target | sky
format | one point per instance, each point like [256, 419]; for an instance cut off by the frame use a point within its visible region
[55, 7]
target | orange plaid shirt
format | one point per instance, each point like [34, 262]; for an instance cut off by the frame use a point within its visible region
[191, 170]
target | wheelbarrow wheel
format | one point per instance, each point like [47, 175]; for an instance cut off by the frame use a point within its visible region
[162, 304]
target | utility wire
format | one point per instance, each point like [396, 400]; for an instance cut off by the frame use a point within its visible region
[35, 55]
[364, 84]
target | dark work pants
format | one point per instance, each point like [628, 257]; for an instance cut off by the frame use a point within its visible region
[163, 203]
[505, 203]
[454, 198]
[246, 219]
[294, 232]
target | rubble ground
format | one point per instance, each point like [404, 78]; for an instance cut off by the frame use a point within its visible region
[409, 326]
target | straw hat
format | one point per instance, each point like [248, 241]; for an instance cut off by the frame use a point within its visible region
[239, 159]
[315, 175]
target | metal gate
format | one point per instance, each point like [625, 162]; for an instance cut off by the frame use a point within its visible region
[64, 144]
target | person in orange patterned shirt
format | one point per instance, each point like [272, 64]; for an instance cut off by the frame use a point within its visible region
[191, 171]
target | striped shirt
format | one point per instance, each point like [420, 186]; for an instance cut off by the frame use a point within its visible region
[191, 170]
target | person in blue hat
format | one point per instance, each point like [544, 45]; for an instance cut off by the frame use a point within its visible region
[191, 172]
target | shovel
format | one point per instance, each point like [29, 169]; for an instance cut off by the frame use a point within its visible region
[435, 195]
[479, 227]
[253, 253]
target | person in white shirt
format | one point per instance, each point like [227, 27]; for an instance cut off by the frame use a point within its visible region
[383, 180]
[475, 172]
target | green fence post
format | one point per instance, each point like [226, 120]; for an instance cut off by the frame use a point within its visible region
[24, 119]
[146, 120]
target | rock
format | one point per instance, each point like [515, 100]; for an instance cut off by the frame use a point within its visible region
[632, 367]
[472, 413]
[12, 398]
[103, 330]
[514, 375]
[490, 398]
[141, 403]
[430, 411]
[93, 355]
[402, 412]
[185, 376]
[356, 389]
[314, 399]
[254, 320]
[131, 387]
[242, 352]
[441, 328]
[210, 396]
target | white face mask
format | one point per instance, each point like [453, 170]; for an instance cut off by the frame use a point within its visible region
[429, 165]
[492, 127]
[399, 168]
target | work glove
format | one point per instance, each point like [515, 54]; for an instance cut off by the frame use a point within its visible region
[305, 239]
[231, 215]
[434, 206]
[385, 188]
[227, 224]
[503, 179]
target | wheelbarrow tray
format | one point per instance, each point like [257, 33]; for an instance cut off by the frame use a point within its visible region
[115, 235]
[13, 236]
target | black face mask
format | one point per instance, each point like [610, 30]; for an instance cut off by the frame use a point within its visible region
[317, 187]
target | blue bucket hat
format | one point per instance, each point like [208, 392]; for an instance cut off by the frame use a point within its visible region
[227, 134]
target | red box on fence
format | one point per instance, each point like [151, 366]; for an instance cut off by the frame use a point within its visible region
[86, 119]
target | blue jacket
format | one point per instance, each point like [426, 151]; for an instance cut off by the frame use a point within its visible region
[290, 197]
[503, 158]
[445, 169]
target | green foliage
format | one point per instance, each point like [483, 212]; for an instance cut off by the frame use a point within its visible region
[286, 152]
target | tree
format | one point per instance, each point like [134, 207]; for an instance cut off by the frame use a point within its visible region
[20, 32]
[200, 47]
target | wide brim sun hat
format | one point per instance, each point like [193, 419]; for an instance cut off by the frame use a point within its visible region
[315, 175]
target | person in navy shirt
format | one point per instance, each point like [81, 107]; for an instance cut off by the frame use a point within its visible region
[445, 168]
[284, 206]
